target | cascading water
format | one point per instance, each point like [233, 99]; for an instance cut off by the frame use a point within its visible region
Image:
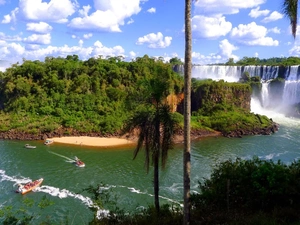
[227, 73]
[233, 73]
[282, 101]
[265, 94]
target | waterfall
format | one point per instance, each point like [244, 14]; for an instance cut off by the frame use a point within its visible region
[291, 92]
[265, 94]
[277, 97]
[292, 73]
[233, 73]
[227, 73]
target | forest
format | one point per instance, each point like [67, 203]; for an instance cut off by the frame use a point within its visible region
[99, 95]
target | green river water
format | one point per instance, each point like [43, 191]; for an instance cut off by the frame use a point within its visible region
[125, 177]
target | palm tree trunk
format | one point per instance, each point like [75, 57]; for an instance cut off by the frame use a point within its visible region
[156, 182]
[156, 159]
[187, 114]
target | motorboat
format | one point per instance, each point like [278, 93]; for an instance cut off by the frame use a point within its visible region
[48, 142]
[78, 162]
[29, 146]
[25, 188]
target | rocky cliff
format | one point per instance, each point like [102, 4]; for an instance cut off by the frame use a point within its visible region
[211, 95]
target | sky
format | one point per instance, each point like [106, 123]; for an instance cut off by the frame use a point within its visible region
[221, 29]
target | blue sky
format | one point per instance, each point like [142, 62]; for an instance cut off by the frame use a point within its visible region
[222, 29]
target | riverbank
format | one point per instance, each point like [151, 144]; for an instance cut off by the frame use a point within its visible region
[92, 141]
[71, 136]
[124, 140]
[68, 136]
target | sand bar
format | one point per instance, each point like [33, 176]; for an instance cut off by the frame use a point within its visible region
[92, 141]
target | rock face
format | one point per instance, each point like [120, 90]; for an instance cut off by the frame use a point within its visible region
[17, 135]
[210, 95]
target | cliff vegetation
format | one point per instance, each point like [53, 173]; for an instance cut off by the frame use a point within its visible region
[69, 96]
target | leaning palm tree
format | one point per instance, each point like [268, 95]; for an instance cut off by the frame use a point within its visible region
[155, 124]
[187, 114]
[290, 9]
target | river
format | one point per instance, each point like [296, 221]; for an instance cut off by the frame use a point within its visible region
[124, 177]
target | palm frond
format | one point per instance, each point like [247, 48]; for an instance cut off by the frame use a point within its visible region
[168, 125]
[290, 10]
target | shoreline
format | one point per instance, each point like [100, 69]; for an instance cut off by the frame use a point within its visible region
[119, 141]
[92, 141]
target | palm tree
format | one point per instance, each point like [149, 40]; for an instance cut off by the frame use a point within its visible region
[290, 9]
[187, 114]
[156, 126]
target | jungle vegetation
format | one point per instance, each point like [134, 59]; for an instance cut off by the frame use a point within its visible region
[95, 95]
[255, 61]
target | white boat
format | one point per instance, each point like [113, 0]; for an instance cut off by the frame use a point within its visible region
[29, 146]
[25, 188]
[48, 142]
[78, 162]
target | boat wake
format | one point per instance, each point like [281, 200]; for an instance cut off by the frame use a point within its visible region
[70, 160]
[133, 190]
[64, 193]
[56, 192]
[4, 177]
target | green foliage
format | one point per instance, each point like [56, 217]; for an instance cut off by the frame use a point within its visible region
[96, 95]
[275, 61]
[22, 215]
[176, 61]
[245, 77]
[255, 188]
[100, 95]
[252, 184]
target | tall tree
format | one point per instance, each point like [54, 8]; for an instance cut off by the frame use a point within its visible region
[155, 124]
[187, 113]
[290, 9]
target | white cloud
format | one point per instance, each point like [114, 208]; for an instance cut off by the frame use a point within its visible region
[40, 27]
[109, 15]
[254, 13]
[130, 21]
[226, 49]
[84, 11]
[43, 39]
[273, 17]
[225, 6]
[99, 49]
[132, 54]
[274, 30]
[80, 43]
[252, 34]
[295, 51]
[87, 36]
[12, 17]
[198, 58]
[151, 10]
[32, 47]
[55, 11]
[210, 27]
[155, 40]
[10, 50]
[7, 19]
[9, 38]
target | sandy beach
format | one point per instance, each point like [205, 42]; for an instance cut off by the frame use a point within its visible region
[92, 141]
